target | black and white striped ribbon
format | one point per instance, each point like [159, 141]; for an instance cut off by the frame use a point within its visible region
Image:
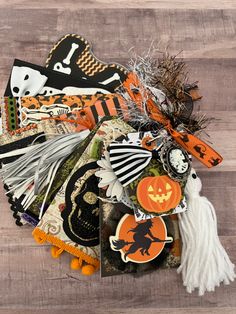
[128, 161]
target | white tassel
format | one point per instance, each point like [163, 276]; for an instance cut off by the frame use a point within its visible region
[204, 261]
[30, 173]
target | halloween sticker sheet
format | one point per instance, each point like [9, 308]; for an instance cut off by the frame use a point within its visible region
[97, 158]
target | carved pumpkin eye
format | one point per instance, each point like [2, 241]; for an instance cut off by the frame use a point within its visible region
[150, 189]
[168, 187]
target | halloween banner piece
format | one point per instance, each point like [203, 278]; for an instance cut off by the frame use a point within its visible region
[81, 213]
[28, 79]
[72, 55]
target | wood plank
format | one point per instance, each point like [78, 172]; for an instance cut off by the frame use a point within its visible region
[213, 310]
[175, 311]
[199, 33]
[35, 279]
[97, 4]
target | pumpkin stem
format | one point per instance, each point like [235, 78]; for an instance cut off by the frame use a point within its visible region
[155, 172]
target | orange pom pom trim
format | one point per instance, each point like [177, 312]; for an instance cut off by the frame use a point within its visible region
[76, 263]
[88, 270]
[41, 237]
[56, 251]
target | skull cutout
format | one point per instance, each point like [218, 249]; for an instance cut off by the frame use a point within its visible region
[158, 194]
[26, 81]
[81, 213]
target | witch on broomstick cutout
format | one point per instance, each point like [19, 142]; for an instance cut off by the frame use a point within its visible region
[140, 242]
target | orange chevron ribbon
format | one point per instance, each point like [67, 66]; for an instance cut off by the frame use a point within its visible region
[192, 144]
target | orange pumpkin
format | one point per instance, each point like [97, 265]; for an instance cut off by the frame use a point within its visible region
[158, 194]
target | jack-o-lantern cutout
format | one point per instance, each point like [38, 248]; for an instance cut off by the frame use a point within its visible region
[158, 194]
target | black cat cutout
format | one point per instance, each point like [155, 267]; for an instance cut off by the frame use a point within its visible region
[72, 55]
[81, 213]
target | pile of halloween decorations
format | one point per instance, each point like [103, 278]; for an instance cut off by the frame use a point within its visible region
[98, 159]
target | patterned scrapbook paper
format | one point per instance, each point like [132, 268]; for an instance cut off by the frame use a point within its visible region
[51, 228]
[31, 215]
[72, 55]
[22, 138]
[34, 109]
[25, 79]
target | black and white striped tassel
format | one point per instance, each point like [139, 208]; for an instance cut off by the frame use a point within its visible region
[29, 174]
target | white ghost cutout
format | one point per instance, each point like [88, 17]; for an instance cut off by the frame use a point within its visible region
[26, 81]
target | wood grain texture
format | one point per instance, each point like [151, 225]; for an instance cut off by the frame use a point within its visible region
[32, 282]
[123, 4]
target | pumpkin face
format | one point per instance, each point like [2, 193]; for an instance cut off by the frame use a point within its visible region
[158, 194]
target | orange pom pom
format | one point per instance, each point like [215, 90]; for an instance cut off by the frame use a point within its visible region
[75, 263]
[56, 251]
[38, 239]
[88, 270]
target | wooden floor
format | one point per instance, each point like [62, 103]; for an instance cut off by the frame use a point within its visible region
[30, 281]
